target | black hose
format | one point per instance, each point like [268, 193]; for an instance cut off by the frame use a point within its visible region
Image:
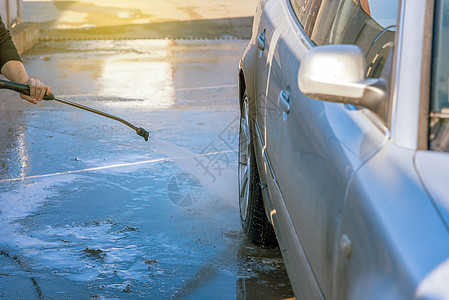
[25, 89]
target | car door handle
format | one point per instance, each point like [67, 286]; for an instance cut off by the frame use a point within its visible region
[284, 101]
[261, 41]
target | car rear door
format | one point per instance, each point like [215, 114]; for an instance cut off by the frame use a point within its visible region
[268, 79]
[265, 35]
[313, 146]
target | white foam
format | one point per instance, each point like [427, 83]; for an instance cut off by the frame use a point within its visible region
[17, 204]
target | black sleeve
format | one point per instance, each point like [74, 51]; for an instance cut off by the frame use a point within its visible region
[7, 49]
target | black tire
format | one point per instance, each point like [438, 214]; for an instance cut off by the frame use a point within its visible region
[252, 212]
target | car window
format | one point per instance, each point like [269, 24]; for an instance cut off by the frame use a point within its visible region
[440, 64]
[439, 98]
[306, 11]
[369, 24]
[299, 6]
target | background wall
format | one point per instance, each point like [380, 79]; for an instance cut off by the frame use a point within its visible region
[11, 12]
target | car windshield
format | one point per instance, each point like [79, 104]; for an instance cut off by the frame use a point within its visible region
[383, 11]
[439, 99]
[440, 76]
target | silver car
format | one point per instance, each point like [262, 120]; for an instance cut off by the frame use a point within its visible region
[344, 141]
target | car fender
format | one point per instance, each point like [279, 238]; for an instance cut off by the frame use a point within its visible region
[391, 237]
[246, 74]
[248, 61]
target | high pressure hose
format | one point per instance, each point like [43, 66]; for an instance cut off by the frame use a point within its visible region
[25, 89]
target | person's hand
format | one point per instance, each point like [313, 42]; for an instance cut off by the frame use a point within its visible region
[37, 90]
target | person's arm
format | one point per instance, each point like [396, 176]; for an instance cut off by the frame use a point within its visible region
[15, 71]
[12, 68]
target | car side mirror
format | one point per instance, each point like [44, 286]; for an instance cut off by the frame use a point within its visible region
[336, 73]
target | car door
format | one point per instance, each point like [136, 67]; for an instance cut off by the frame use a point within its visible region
[314, 146]
[265, 31]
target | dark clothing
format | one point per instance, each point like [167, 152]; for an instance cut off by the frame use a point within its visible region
[7, 49]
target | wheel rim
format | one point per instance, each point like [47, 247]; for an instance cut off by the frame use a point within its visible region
[244, 166]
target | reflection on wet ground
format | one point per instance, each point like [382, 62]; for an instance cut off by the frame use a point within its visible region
[88, 209]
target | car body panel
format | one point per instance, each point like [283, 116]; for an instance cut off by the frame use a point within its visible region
[432, 168]
[264, 68]
[396, 234]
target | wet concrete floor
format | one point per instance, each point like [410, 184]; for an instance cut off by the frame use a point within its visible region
[88, 209]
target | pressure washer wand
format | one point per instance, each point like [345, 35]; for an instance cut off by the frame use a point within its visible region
[25, 89]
